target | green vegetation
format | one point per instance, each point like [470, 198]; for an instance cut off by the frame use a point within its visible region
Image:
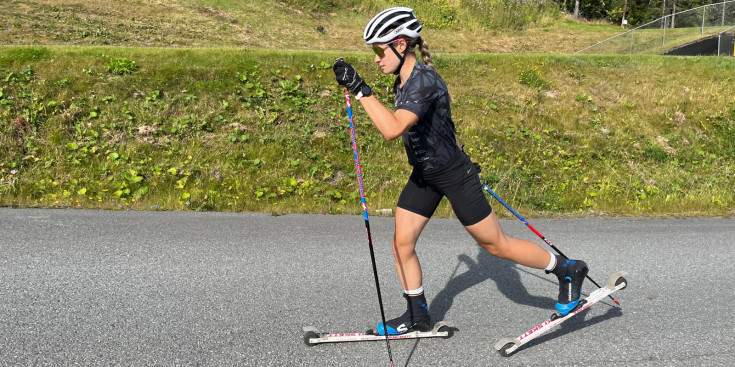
[225, 105]
[451, 25]
[246, 130]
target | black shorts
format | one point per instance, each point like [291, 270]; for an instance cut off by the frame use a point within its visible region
[459, 181]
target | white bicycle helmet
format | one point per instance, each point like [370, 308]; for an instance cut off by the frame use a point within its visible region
[390, 24]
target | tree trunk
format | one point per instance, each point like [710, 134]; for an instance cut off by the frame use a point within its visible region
[723, 14]
[576, 9]
[663, 14]
[673, 14]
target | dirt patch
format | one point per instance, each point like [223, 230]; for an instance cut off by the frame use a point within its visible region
[211, 12]
[664, 143]
[145, 134]
[239, 126]
[20, 126]
[679, 117]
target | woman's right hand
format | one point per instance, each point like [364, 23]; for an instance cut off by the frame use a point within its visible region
[347, 76]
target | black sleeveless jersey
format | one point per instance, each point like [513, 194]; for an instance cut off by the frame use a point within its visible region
[430, 143]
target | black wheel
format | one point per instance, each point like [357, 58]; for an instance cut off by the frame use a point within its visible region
[504, 350]
[310, 335]
[620, 281]
[448, 330]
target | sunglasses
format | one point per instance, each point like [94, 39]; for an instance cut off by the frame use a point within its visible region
[380, 50]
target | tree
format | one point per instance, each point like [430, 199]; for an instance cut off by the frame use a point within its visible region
[637, 12]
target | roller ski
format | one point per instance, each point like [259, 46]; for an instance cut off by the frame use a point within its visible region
[312, 336]
[413, 324]
[506, 347]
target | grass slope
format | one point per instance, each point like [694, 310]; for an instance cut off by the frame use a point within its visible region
[226, 129]
[451, 26]
[196, 104]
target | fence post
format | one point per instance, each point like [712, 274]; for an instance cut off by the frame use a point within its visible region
[723, 14]
[704, 12]
[631, 41]
[663, 39]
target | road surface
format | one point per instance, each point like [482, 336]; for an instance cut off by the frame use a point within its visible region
[101, 288]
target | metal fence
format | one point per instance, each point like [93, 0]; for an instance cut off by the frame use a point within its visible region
[726, 42]
[673, 30]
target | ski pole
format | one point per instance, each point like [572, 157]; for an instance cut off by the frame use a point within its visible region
[538, 233]
[367, 221]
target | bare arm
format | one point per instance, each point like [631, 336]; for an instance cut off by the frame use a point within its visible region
[391, 125]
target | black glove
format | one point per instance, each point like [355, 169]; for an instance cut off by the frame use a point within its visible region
[347, 76]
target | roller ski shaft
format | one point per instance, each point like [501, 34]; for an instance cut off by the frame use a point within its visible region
[312, 336]
[508, 346]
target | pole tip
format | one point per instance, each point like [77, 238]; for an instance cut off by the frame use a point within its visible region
[616, 301]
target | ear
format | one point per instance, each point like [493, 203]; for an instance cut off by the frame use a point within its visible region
[402, 45]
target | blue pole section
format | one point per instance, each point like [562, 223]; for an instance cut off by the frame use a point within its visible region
[357, 157]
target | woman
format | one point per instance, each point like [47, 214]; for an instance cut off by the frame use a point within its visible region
[423, 119]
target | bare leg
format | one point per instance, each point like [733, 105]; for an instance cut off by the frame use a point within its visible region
[408, 228]
[490, 236]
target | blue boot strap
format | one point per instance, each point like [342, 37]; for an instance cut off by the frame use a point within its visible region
[564, 309]
[391, 331]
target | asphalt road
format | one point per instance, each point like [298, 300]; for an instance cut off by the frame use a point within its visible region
[99, 288]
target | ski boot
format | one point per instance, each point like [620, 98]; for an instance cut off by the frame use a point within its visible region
[416, 318]
[571, 274]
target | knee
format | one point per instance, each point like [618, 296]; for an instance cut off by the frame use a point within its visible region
[498, 249]
[403, 246]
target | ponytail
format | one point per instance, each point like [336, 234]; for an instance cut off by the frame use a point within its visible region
[425, 54]
[423, 48]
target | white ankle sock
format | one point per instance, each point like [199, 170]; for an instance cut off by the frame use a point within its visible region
[552, 262]
[414, 292]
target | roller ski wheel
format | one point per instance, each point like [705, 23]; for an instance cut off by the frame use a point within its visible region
[310, 334]
[623, 281]
[444, 328]
[507, 347]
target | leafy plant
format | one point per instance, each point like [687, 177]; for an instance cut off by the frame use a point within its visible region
[655, 152]
[121, 66]
[532, 78]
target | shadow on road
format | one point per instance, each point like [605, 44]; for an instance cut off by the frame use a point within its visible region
[506, 275]
[503, 272]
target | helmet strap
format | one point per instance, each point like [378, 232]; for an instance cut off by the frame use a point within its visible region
[400, 57]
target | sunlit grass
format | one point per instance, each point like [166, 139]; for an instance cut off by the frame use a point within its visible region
[456, 26]
[231, 130]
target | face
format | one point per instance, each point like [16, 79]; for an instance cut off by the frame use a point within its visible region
[386, 58]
